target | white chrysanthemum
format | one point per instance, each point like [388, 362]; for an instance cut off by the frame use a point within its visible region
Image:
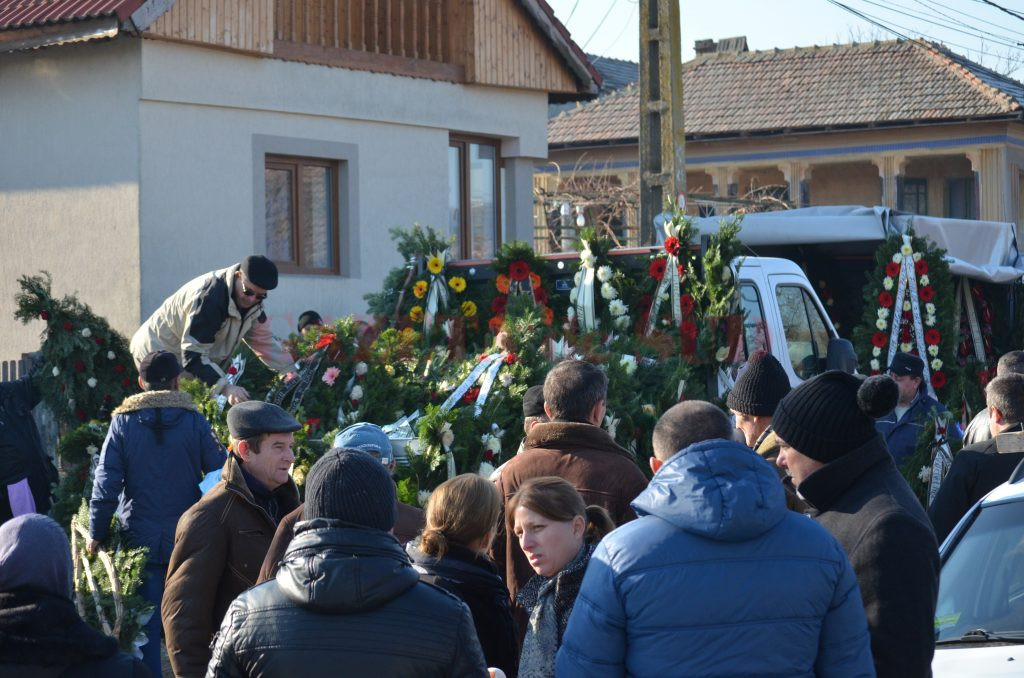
[887, 283]
[906, 250]
[883, 313]
[361, 369]
[929, 309]
[906, 346]
[936, 364]
[925, 474]
[604, 273]
[574, 293]
[485, 469]
[628, 363]
[91, 381]
[876, 351]
[622, 322]
[721, 354]
[917, 256]
[609, 292]
[925, 280]
[86, 332]
[422, 497]
[897, 257]
[929, 321]
[933, 351]
[588, 258]
[881, 324]
[55, 371]
[907, 306]
[110, 355]
[357, 392]
[505, 378]
[616, 307]
[92, 450]
[578, 278]
[875, 365]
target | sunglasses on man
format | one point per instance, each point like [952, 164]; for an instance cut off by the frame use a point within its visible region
[259, 296]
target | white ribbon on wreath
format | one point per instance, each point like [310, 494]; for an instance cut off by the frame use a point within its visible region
[964, 297]
[585, 311]
[942, 459]
[907, 286]
[437, 293]
[669, 283]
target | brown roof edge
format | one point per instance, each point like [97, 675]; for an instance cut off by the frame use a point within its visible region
[994, 93]
[558, 35]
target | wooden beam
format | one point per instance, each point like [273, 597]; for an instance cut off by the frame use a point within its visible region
[368, 61]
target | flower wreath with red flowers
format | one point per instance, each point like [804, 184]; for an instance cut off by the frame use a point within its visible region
[519, 272]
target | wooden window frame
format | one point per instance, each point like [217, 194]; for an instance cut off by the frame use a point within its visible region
[294, 164]
[462, 142]
[919, 183]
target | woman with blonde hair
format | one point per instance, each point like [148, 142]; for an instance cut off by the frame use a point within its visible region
[462, 517]
[558, 533]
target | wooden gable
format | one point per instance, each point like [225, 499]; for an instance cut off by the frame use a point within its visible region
[487, 42]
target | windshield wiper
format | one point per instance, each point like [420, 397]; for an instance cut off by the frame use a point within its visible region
[983, 636]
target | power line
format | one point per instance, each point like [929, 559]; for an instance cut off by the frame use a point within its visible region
[1001, 9]
[601, 23]
[625, 25]
[572, 11]
[997, 39]
[953, 9]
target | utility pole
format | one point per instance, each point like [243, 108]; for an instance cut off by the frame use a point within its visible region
[662, 137]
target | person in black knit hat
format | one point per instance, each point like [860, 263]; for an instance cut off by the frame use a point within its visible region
[839, 464]
[752, 401]
[347, 599]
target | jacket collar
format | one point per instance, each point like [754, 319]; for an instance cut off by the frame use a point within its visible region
[152, 399]
[228, 275]
[234, 481]
[825, 486]
[568, 435]
[1010, 442]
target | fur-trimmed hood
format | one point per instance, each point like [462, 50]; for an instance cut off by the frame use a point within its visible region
[151, 399]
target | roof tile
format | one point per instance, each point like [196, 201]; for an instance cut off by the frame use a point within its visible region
[25, 13]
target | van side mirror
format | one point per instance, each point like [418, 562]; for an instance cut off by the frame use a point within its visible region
[841, 355]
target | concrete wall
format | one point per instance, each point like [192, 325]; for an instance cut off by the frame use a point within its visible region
[203, 112]
[69, 163]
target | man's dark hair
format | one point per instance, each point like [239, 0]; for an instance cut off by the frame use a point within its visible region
[164, 385]
[572, 389]
[1006, 394]
[255, 442]
[1010, 363]
[686, 423]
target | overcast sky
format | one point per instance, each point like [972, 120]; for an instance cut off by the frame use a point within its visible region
[972, 27]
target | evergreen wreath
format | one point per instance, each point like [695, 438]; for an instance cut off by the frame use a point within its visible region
[520, 273]
[613, 288]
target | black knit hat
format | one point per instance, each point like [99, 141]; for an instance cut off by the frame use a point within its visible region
[533, 401]
[760, 387]
[833, 414]
[353, 487]
[260, 271]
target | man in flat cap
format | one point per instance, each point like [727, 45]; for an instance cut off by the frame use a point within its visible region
[158, 448]
[222, 540]
[206, 319]
[902, 427]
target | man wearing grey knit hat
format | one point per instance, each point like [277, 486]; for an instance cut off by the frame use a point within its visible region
[346, 591]
[839, 464]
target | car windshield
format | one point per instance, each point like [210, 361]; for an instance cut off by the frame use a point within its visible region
[982, 581]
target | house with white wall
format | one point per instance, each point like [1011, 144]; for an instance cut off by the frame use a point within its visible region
[145, 142]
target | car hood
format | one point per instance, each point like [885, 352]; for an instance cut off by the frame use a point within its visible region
[991, 661]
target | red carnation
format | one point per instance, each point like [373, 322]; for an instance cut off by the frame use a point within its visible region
[938, 380]
[885, 300]
[879, 339]
[471, 395]
[68, 326]
[932, 337]
[499, 304]
[119, 369]
[682, 271]
[657, 269]
[686, 304]
[905, 334]
[519, 271]
[540, 295]
[232, 370]
[44, 315]
[488, 455]
[688, 329]
[79, 366]
[892, 269]
[672, 245]
[875, 373]
[921, 267]
[907, 315]
[927, 293]
[510, 358]
[323, 342]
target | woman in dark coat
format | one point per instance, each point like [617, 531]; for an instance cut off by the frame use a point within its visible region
[462, 516]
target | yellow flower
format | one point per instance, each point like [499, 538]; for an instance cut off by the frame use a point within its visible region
[420, 289]
[434, 265]
[416, 314]
[458, 284]
[468, 309]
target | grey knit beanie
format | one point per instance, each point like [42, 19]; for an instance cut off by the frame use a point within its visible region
[351, 486]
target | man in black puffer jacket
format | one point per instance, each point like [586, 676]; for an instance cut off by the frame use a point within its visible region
[841, 467]
[346, 599]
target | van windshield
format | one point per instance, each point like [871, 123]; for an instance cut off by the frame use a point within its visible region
[981, 585]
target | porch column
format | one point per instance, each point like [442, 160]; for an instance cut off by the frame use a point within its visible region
[992, 177]
[518, 213]
[725, 181]
[889, 168]
[797, 175]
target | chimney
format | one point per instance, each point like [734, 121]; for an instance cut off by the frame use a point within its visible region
[704, 47]
[723, 46]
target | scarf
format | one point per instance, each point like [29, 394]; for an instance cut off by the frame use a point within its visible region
[549, 601]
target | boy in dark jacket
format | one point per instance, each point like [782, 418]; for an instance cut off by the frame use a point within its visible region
[841, 467]
[157, 450]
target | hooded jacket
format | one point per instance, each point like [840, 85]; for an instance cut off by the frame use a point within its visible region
[681, 590]
[346, 601]
[201, 324]
[158, 449]
[21, 449]
[864, 502]
[219, 546]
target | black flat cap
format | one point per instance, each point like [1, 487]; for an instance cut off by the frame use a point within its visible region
[159, 366]
[260, 271]
[907, 364]
[254, 417]
[533, 401]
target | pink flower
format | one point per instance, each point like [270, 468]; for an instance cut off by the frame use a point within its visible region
[330, 374]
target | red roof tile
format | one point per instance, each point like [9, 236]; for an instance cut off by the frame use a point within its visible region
[841, 85]
[25, 13]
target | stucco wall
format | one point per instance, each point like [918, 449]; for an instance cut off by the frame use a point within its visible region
[69, 180]
[203, 112]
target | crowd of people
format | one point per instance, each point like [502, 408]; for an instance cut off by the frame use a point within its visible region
[780, 540]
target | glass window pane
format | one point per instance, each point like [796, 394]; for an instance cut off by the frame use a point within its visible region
[455, 196]
[316, 232]
[279, 201]
[483, 208]
[755, 331]
[819, 333]
[797, 330]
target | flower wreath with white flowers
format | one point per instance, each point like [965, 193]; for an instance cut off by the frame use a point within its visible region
[596, 301]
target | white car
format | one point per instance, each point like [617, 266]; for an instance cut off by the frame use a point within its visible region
[979, 619]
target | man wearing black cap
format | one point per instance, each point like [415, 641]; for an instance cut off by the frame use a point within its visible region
[157, 450]
[222, 540]
[205, 320]
[902, 427]
[839, 464]
[347, 601]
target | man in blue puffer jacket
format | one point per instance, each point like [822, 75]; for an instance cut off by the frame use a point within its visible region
[157, 450]
[716, 577]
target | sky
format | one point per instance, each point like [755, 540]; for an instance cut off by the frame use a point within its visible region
[974, 28]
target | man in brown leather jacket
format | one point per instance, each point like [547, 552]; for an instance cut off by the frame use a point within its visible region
[220, 542]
